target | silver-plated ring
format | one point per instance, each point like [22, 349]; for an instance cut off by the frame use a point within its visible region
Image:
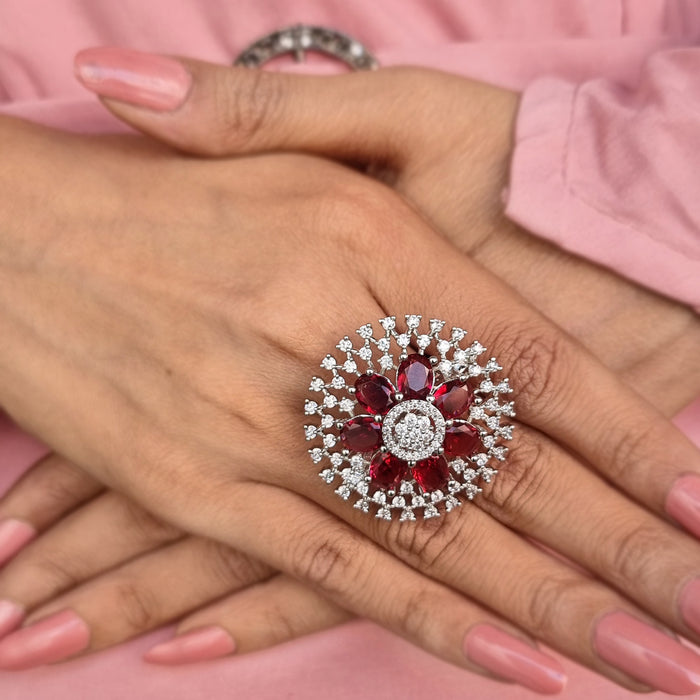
[301, 38]
[408, 421]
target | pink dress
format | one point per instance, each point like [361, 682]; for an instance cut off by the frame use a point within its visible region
[608, 138]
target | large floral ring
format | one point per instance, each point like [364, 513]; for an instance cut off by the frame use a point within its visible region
[408, 420]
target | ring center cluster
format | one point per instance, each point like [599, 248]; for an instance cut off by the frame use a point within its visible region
[413, 430]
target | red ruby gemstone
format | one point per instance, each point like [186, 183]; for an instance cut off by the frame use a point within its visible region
[387, 470]
[453, 398]
[461, 440]
[361, 434]
[375, 393]
[432, 473]
[414, 378]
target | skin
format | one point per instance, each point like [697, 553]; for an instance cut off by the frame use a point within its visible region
[505, 505]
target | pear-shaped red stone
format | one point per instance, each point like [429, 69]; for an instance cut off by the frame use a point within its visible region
[461, 440]
[375, 393]
[387, 470]
[361, 434]
[453, 398]
[414, 378]
[432, 473]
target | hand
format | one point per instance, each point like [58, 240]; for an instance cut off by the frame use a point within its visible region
[444, 143]
[178, 427]
[129, 572]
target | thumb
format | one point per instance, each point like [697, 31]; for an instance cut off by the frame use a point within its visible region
[218, 110]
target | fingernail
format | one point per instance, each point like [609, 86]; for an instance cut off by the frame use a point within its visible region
[689, 604]
[143, 79]
[647, 654]
[14, 534]
[683, 502]
[198, 645]
[52, 639]
[513, 659]
[11, 616]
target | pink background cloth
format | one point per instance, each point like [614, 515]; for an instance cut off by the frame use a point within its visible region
[604, 162]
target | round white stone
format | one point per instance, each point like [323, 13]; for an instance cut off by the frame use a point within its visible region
[413, 430]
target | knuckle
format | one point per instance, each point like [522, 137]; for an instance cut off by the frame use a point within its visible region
[137, 605]
[540, 360]
[360, 213]
[416, 612]
[549, 603]
[630, 449]
[521, 490]
[330, 566]
[56, 571]
[363, 218]
[232, 568]
[280, 626]
[244, 111]
[60, 482]
[439, 543]
[145, 527]
[636, 555]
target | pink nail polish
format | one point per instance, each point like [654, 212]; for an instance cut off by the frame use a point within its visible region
[689, 604]
[143, 79]
[683, 502]
[198, 645]
[14, 534]
[11, 616]
[513, 659]
[52, 639]
[647, 654]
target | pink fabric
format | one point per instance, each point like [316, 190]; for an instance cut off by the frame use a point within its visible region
[611, 173]
[606, 141]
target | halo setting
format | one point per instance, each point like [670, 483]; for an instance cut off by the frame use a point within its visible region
[409, 420]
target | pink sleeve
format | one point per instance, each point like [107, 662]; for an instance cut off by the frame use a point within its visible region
[613, 173]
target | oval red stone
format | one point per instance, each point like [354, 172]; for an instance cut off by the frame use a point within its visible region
[361, 434]
[414, 378]
[387, 470]
[375, 393]
[432, 473]
[453, 398]
[461, 440]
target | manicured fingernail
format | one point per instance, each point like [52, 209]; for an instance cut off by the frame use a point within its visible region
[647, 654]
[689, 604]
[52, 639]
[198, 645]
[683, 502]
[14, 534]
[513, 659]
[11, 616]
[143, 79]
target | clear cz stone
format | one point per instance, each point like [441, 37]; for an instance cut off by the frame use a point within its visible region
[384, 344]
[443, 346]
[317, 384]
[328, 362]
[413, 321]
